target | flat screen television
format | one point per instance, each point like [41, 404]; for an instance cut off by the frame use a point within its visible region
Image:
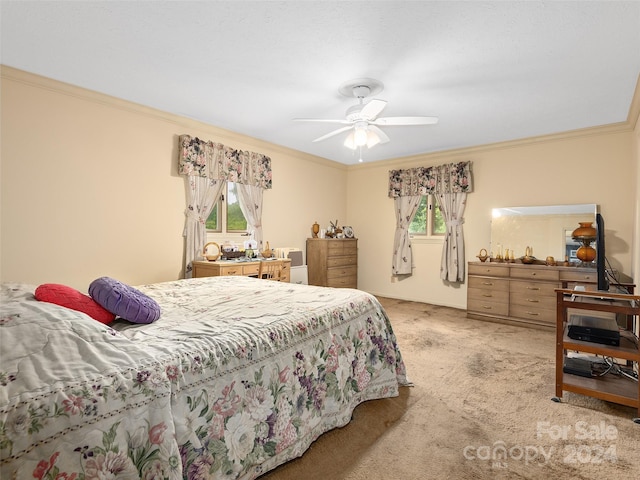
[601, 259]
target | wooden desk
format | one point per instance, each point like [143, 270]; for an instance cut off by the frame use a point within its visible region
[611, 388]
[222, 268]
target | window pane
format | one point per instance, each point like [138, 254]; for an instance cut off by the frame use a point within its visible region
[439, 227]
[419, 222]
[212, 220]
[235, 218]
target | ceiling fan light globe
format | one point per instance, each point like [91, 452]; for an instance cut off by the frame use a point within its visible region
[373, 139]
[360, 136]
[349, 142]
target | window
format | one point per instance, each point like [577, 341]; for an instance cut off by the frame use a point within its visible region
[428, 221]
[226, 216]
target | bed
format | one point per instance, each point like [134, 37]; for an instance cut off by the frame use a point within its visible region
[237, 376]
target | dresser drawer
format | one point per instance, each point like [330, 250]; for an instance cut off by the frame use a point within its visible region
[342, 261]
[341, 272]
[489, 283]
[538, 289]
[533, 314]
[535, 273]
[201, 269]
[342, 247]
[231, 270]
[532, 301]
[249, 270]
[487, 306]
[343, 282]
[579, 275]
[489, 270]
[488, 295]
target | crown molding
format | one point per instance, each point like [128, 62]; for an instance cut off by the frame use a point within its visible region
[613, 128]
[634, 108]
[183, 124]
[255, 144]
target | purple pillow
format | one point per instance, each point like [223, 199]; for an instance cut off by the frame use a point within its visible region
[124, 301]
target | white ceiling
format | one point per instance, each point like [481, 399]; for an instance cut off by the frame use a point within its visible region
[491, 71]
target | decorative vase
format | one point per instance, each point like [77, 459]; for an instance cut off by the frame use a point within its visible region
[315, 228]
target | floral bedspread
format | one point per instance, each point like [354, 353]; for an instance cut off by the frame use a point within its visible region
[238, 376]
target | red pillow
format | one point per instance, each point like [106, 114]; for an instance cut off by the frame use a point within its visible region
[71, 298]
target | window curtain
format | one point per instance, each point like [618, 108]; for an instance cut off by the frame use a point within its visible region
[208, 166]
[406, 208]
[219, 162]
[449, 179]
[202, 195]
[452, 264]
[250, 199]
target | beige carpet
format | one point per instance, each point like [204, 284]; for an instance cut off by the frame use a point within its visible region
[477, 386]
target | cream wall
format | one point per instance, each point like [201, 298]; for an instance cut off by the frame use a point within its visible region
[590, 166]
[90, 186]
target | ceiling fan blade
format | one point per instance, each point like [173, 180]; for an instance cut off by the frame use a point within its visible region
[405, 121]
[372, 109]
[325, 120]
[331, 134]
[381, 135]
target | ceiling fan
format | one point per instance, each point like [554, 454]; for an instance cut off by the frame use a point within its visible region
[362, 119]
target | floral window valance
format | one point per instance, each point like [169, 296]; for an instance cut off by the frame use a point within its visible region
[448, 178]
[216, 161]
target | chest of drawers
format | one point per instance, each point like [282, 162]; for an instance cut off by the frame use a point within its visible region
[524, 294]
[333, 262]
[515, 293]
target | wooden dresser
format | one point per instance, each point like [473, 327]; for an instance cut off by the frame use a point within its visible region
[523, 294]
[333, 262]
[221, 268]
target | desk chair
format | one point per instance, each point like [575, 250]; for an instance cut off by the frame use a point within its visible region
[270, 270]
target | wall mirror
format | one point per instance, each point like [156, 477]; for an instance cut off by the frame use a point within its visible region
[545, 229]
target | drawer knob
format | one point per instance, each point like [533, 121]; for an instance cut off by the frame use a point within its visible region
[535, 314]
[487, 283]
[533, 288]
[532, 300]
[487, 295]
